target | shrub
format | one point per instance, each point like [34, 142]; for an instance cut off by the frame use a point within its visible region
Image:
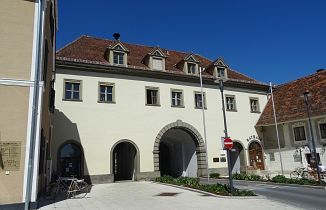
[279, 179]
[214, 175]
[188, 181]
[165, 179]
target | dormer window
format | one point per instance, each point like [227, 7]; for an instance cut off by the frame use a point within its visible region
[189, 64]
[118, 58]
[117, 53]
[221, 72]
[218, 68]
[157, 63]
[155, 59]
[191, 68]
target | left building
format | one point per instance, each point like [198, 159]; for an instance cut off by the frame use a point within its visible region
[27, 39]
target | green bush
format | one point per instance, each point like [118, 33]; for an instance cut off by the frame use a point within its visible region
[214, 175]
[279, 179]
[165, 179]
[188, 181]
[194, 183]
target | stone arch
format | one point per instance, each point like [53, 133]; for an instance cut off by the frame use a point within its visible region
[199, 142]
[137, 159]
[259, 163]
[81, 160]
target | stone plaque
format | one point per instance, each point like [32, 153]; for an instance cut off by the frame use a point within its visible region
[10, 152]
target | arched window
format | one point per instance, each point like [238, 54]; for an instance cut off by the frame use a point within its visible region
[70, 160]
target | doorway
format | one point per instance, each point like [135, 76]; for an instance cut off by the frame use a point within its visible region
[256, 156]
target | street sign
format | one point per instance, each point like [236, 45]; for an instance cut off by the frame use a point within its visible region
[228, 143]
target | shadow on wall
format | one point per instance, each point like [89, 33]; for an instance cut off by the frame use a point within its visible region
[67, 151]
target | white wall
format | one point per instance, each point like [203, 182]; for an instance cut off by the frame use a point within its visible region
[98, 125]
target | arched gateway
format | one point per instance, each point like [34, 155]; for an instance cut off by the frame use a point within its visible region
[179, 150]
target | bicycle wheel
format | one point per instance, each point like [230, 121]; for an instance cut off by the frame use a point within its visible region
[294, 175]
[305, 175]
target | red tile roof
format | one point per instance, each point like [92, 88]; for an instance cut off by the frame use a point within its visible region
[88, 49]
[289, 103]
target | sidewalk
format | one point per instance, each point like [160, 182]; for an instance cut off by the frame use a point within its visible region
[148, 195]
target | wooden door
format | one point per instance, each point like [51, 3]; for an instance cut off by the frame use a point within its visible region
[256, 156]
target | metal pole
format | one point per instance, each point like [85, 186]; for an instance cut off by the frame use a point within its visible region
[204, 119]
[314, 152]
[35, 103]
[276, 128]
[226, 135]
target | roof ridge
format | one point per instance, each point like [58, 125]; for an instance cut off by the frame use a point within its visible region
[142, 45]
[298, 79]
[69, 43]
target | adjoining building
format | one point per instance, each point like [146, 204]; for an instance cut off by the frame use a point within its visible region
[128, 112]
[27, 39]
[292, 123]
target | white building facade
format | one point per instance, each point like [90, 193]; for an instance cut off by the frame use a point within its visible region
[115, 120]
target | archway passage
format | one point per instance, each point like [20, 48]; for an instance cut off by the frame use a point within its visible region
[70, 160]
[256, 156]
[237, 158]
[124, 161]
[178, 154]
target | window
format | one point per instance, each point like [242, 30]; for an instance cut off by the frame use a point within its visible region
[106, 92]
[177, 98]
[220, 72]
[199, 101]
[322, 127]
[254, 105]
[157, 64]
[72, 90]
[152, 96]
[118, 57]
[271, 157]
[191, 68]
[230, 103]
[299, 133]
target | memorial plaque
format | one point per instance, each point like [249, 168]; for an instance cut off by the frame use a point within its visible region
[10, 152]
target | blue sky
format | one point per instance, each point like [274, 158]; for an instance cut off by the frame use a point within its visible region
[269, 40]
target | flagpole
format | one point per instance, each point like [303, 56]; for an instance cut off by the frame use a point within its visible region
[204, 119]
[275, 121]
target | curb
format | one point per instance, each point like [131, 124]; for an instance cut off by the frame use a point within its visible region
[275, 183]
[210, 194]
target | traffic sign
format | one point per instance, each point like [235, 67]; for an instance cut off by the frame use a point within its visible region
[228, 143]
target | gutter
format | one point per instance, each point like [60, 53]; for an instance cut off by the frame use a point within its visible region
[35, 105]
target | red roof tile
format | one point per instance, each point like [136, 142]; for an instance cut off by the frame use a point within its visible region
[90, 49]
[289, 103]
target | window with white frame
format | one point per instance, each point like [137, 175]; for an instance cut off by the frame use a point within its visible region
[254, 105]
[199, 101]
[118, 58]
[322, 129]
[230, 103]
[157, 63]
[191, 68]
[106, 92]
[220, 72]
[152, 96]
[72, 90]
[176, 98]
[299, 133]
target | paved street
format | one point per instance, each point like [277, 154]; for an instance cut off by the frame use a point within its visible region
[147, 195]
[296, 196]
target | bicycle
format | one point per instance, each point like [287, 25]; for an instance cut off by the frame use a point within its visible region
[78, 187]
[299, 172]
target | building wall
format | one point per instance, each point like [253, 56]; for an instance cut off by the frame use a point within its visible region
[290, 149]
[16, 38]
[13, 126]
[97, 126]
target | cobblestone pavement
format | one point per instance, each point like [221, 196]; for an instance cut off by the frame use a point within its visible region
[152, 196]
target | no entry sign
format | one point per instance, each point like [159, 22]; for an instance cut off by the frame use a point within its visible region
[228, 143]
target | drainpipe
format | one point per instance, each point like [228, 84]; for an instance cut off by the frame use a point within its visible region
[35, 104]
